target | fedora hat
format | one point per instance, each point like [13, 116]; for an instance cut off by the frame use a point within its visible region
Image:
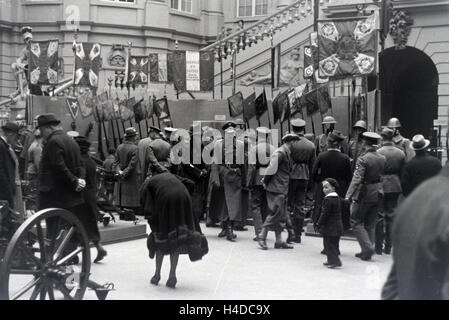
[336, 136]
[419, 142]
[47, 120]
[11, 127]
[130, 132]
[387, 133]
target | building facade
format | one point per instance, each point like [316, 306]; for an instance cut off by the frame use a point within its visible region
[152, 26]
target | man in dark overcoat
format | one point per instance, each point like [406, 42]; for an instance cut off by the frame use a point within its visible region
[365, 194]
[9, 170]
[61, 174]
[421, 168]
[128, 188]
[421, 240]
[276, 183]
[336, 165]
[228, 174]
[303, 157]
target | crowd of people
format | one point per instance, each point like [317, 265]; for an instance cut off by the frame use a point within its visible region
[336, 183]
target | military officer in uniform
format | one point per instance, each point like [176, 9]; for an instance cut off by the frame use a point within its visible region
[365, 194]
[399, 141]
[276, 182]
[391, 185]
[356, 143]
[126, 164]
[303, 157]
[227, 173]
[259, 159]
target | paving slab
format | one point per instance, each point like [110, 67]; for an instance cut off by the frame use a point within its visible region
[241, 271]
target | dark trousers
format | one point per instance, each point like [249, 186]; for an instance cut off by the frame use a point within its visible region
[385, 221]
[297, 192]
[331, 245]
[277, 217]
[363, 221]
[258, 207]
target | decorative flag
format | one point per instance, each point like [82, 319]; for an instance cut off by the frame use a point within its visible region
[98, 102]
[161, 109]
[140, 111]
[249, 107]
[276, 66]
[74, 107]
[317, 100]
[193, 71]
[43, 62]
[324, 99]
[138, 70]
[86, 103]
[236, 105]
[161, 67]
[347, 48]
[293, 103]
[126, 113]
[309, 69]
[261, 104]
[149, 106]
[281, 110]
[87, 64]
[108, 110]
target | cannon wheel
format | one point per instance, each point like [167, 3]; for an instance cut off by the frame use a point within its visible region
[40, 263]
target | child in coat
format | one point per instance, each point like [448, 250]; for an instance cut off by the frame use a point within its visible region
[330, 224]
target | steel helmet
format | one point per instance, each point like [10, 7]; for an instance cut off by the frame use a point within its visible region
[394, 123]
[361, 124]
[329, 120]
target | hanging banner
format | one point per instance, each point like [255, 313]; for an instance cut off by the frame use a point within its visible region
[161, 67]
[87, 64]
[43, 62]
[347, 47]
[138, 70]
[193, 71]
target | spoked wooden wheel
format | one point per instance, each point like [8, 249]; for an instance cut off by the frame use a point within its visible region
[47, 258]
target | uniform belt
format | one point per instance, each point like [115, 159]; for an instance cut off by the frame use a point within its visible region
[373, 182]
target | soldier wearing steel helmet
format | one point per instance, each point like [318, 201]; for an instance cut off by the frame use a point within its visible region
[356, 143]
[329, 124]
[364, 193]
[399, 141]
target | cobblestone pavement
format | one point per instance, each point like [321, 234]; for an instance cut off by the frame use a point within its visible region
[241, 271]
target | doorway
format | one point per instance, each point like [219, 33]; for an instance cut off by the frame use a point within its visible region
[409, 83]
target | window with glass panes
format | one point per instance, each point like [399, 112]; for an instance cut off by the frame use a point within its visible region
[182, 5]
[251, 8]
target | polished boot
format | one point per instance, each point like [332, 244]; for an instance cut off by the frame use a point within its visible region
[291, 236]
[223, 233]
[231, 236]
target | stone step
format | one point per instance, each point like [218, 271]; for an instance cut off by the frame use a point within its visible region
[122, 231]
